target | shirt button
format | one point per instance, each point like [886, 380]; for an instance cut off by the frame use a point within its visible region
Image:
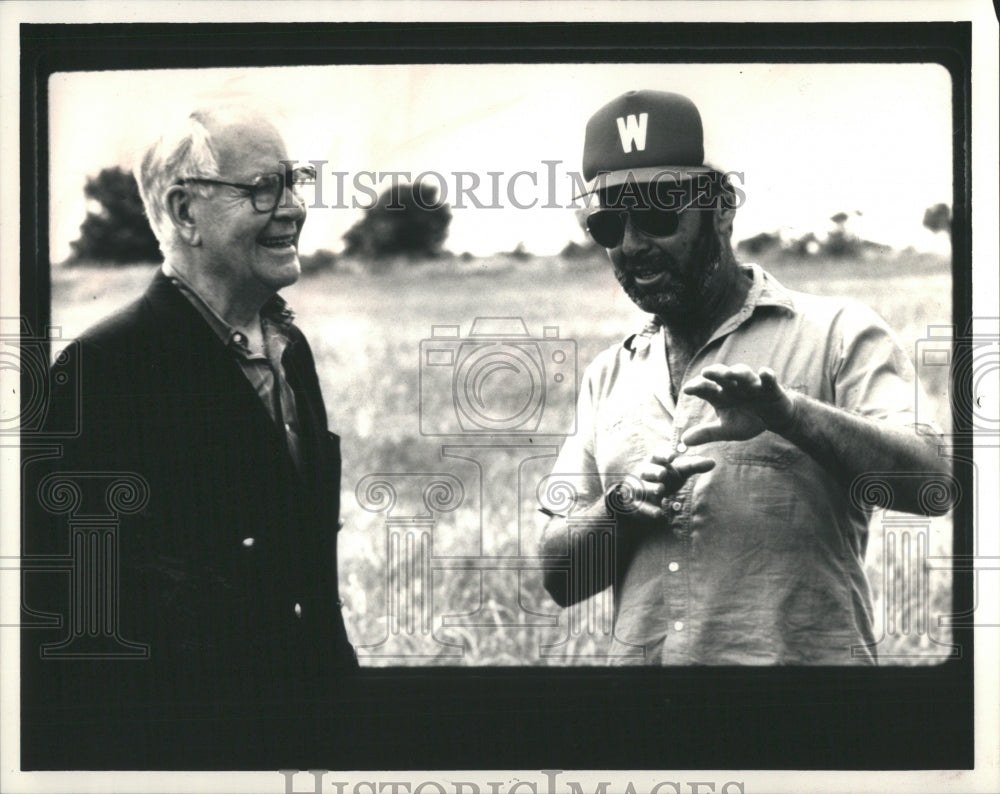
[298, 610]
[248, 542]
[673, 567]
[676, 507]
[288, 428]
[678, 625]
[682, 447]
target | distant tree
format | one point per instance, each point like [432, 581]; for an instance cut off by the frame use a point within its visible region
[318, 261]
[759, 244]
[404, 220]
[804, 246]
[841, 241]
[520, 252]
[574, 250]
[117, 231]
[938, 218]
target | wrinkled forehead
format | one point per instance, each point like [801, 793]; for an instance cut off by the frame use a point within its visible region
[246, 146]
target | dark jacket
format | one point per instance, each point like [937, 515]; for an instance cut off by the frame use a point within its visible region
[225, 632]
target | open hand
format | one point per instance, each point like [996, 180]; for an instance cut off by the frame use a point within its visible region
[746, 402]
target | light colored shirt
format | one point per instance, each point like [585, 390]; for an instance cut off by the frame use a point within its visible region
[264, 370]
[761, 560]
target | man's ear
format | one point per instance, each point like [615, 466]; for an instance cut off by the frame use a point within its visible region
[179, 207]
[724, 217]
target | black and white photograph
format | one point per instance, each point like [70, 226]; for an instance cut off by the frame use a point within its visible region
[492, 395]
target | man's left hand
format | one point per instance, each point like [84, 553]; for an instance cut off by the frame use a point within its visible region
[747, 404]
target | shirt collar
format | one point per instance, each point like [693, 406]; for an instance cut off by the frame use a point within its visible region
[765, 290]
[275, 312]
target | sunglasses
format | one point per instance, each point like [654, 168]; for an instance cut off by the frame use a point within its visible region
[267, 190]
[607, 226]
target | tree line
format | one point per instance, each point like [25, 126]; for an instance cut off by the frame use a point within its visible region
[406, 220]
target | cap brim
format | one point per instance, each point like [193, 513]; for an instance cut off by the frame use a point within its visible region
[642, 176]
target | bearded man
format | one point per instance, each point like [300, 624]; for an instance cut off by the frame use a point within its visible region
[723, 439]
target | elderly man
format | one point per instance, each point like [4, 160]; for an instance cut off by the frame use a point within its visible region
[725, 436]
[228, 638]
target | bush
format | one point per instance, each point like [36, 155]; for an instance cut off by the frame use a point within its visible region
[318, 261]
[841, 242]
[938, 218]
[118, 232]
[520, 252]
[574, 250]
[405, 219]
[759, 244]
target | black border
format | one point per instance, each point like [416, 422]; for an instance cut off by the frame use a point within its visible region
[889, 718]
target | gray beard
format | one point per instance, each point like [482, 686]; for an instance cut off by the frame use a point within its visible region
[682, 304]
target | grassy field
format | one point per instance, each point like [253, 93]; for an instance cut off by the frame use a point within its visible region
[442, 578]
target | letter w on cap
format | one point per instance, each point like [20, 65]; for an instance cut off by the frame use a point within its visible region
[633, 132]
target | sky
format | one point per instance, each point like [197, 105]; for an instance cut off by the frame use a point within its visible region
[810, 140]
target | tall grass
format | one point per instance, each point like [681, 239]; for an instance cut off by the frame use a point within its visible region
[456, 584]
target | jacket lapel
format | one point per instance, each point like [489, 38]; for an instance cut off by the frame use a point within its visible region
[308, 404]
[204, 367]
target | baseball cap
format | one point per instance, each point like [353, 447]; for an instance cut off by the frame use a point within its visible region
[643, 136]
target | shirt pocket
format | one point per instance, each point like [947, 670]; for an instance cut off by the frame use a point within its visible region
[768, 449]
[621, 443]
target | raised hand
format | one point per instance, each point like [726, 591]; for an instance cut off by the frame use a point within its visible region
[746, 403]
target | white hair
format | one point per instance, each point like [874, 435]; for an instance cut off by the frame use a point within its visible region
[182, 152]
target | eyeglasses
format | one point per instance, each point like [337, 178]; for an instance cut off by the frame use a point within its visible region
[607, 226]
[267, 189]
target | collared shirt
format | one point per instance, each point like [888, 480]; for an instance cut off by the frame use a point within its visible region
[264, 370]
[760, 560]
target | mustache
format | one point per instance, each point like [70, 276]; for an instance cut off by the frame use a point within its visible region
[662, 262]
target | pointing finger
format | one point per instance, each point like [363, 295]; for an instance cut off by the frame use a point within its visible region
[664, 460]
[707, 390]
[704, 433]
[693, 464]
[715, 371]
